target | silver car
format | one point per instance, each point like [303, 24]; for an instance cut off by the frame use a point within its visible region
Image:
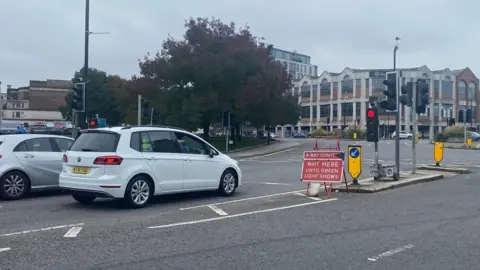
[30, 162]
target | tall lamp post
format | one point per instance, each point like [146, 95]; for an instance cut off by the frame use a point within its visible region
[397, 114]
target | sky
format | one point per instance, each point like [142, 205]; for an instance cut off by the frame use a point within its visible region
[44, 39]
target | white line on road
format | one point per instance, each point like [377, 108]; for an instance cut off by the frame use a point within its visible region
[268, 183]
[5, 249]
[311, 198]
[218, 210]
[42, 229]
[73, 232]
[391, 252]
[238, 215]
[241, 200]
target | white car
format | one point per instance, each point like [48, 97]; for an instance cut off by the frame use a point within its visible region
[30, 162]
[134, 163]
[403, 135]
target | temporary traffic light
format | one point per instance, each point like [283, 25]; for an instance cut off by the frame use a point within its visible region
[422, 96]
[390, 104]
[78, 103]
[468, 115]
[372, 125]
[407, 94]
[461, 116]
[145, 108]
[93, 123]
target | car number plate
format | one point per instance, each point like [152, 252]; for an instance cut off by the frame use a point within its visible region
[80, 170]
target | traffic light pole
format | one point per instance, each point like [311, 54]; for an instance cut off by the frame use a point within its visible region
[81, 117]
[139, 110]
[397, 119]
[414, 132]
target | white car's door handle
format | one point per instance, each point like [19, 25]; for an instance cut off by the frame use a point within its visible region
[152, 158]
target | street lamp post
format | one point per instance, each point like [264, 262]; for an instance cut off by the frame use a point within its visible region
[397, 115]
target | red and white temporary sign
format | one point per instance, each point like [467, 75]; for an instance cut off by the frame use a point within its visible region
[322, 166]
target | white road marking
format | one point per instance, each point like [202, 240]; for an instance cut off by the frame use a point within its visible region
[391, 252]
[5, 249]
[311, 198]
[276, 153]
[42, 229]
[268, 183]
[73, 232]
[218, 210]
[238, 215]
[241, 200]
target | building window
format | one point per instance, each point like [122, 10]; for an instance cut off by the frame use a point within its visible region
[462, 89]
[325, 88]
[335, 85]
[447, 89]
[347, 85]
[335, 110]
[358, 109]
[17, 114]
[347, 109]
[447, 110]
[324, 110]
[472, 91]
[305, 91]
[377, 85]
[314, 111]
[367, 83]
[358, 83]
[305, 111]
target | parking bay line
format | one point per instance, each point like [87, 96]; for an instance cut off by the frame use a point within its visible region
[42, 229]
[238, 215]
[242, 200]
[5, 249]
[73, 232]
[390, 252]
[218, 210]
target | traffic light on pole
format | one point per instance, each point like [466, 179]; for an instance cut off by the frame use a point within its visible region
[461, 116]
[78, 103]
[407, 94]
[422, 96]
[145, 108]
[391, 103]
[372, 125]
[468, 115]
[93, 123]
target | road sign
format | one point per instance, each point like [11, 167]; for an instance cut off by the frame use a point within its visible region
[438, 152]
[102, 122]
[322, 166]
[354, 161]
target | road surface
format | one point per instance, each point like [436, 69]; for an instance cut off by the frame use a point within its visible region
[268, 224]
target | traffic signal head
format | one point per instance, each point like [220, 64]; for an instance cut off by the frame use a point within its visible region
[78, 103]
[372, 125]
[93, 123]
[145, 108]
[390, 104]
[461, 116]
[468, 116]
[422, 96]
[407, 94]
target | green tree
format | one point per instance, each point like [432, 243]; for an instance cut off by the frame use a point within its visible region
[201, 75]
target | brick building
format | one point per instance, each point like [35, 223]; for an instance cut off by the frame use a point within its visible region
[46, 95]
[337, 100]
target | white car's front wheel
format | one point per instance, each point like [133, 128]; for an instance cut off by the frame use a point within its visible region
[228, 183]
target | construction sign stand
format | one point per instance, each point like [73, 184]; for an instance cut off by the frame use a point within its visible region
[323, 166]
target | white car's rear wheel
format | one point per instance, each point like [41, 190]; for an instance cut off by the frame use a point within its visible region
[138, 192]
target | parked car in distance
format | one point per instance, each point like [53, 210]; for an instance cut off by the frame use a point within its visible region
[134, 163]
[299, 135]
[30, 162]
[403, 135]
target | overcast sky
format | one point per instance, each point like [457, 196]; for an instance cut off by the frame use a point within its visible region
[42, 39]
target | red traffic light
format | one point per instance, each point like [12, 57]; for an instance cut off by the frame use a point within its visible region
[92, 123]
[371, 113]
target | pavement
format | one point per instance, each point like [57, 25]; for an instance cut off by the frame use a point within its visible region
[267, 224]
